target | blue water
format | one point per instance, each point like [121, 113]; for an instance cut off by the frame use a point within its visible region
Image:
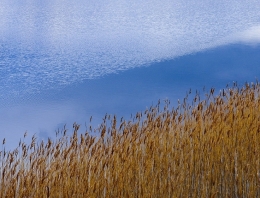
[127, 92]
[64, 61]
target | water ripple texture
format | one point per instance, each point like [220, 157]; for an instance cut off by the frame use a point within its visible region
[52, 43]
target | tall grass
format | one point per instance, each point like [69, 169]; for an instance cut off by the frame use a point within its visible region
[209, 148]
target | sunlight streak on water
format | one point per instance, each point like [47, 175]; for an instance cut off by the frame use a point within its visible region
[52, 43]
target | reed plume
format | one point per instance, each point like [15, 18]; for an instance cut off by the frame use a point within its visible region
[209, 148]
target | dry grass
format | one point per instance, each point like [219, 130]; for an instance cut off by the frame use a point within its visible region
[210, 148]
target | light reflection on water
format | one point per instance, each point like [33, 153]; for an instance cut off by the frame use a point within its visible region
[128, 92]
[58, 59]
[53, 43]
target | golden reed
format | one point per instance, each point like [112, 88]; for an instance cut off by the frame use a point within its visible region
[209, 148]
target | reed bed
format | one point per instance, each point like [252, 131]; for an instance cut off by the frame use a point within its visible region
[209, 148]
